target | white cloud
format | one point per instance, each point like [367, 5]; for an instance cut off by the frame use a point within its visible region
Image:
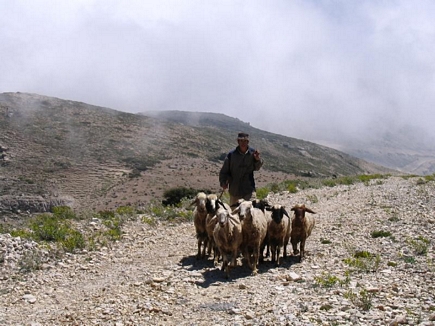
[300, 68]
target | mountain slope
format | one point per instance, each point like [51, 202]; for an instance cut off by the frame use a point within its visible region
[406, 148]
[97, 157]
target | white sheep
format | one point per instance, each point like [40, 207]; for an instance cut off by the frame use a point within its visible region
[254, 229]
[301, 228]
[210, 223]
[278, 231]
[199, 217]
[263, 204]
[228, 237]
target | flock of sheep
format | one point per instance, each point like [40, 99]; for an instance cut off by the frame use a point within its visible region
[249, 228]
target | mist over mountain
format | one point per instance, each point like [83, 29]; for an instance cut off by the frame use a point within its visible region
[406, 148]
[100, 157]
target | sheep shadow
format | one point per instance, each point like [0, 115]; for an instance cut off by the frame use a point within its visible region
[213, 275]
[194, 264]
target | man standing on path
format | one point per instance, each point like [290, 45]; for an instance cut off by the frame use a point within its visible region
[237, 172]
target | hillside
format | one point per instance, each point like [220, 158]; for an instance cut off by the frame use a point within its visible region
[407, 149]
[55, 151]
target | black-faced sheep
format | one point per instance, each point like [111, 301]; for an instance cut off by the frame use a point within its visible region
[301, 228]
[199, 217]
[228, 237]
[278, 232]
[254, 229]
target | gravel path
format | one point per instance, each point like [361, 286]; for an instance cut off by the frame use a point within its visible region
[152, 277]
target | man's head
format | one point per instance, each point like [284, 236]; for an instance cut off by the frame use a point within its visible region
[243, 140]
[243, 136]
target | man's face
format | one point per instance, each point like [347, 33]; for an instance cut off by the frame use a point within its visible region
[243, 143]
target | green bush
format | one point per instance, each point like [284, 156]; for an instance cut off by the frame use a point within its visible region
[50, 228]
[346, 180]
[73, 240]
[174, 196]
[262, 192]
[365, 178]
[379, 234]
[329, 183]
[106, 215]
[429, 177]
[292, 188]
[47, 227]
[126, 211]
[420, 245]
[362, 300]
[326, 280]
[364, 261]
[63, 212]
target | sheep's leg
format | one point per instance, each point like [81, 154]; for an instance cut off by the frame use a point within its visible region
[255, 262]
[247, 256]
[261, 256]
[209, 246]
[198, 255]
[204, 242]
[224, 262]
[295, 247]
[302, 246]
[216, 254]
[278, 251]
[273, 249]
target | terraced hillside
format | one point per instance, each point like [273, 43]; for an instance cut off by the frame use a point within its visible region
[56, 150]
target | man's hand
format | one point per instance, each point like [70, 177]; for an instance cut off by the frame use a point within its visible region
[256, 155]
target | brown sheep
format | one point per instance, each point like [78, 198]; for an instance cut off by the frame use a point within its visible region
[199, 217]
[278, 231]
[301, 229]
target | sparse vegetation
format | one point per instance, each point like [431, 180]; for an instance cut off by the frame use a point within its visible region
[64, 212]
[363, 261]
[381, 233]
[419, 245]
[326, 280]
[362, 300]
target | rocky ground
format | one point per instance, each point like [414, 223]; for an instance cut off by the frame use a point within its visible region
[151, 276]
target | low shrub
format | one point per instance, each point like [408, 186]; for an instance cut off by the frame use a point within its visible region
[379, 234]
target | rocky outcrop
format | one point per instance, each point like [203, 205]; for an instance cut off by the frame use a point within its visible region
[31, 204]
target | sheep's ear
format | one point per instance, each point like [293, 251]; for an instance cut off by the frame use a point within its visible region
[236, 211]
[193, 202]
[293, 208]
[268, 208]
[309, 210]
[235, 205]
[284, 212]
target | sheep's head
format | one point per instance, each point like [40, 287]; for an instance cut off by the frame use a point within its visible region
[211, 204]
[278, 212]
[261, 204]
[199, 200]
[244, 209]
[300, 211]
[222, 216]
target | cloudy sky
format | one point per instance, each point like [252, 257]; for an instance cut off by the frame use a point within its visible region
[306, 69]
